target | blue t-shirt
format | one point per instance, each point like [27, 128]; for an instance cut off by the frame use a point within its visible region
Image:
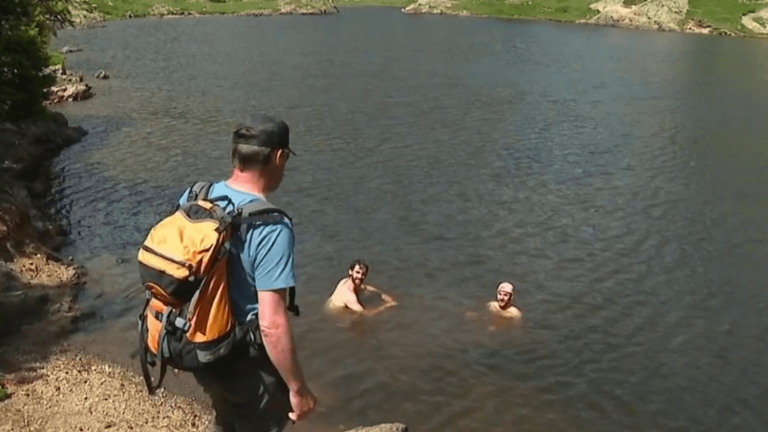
[263, 260]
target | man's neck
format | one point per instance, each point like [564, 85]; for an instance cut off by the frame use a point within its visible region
[247, 181]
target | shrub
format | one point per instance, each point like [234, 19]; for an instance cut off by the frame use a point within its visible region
[26, 27]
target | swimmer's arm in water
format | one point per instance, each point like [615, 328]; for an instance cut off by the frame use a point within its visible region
[355, 305]
[385, 298]
[374, 311]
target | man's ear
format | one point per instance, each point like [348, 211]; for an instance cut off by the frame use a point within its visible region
[275, 155]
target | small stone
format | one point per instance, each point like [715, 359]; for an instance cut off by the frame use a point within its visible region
[69, 49]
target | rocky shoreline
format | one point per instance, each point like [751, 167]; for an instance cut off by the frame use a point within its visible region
[34, 277]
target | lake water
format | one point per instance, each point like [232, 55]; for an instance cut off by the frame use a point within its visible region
[617, 178]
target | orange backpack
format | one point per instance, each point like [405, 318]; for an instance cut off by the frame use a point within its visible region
[187, 320]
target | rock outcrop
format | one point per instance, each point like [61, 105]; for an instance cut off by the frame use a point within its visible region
[651, 15]
[69, 86]
[69, 49]
[429, 7]
[757, 22]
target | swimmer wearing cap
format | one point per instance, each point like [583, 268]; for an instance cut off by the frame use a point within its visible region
[503, 306]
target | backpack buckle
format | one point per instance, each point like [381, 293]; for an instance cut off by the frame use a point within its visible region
[181, 324]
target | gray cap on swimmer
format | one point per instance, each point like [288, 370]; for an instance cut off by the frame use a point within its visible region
[506, 287]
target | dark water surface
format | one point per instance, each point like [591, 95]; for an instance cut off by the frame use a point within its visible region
[618, 178]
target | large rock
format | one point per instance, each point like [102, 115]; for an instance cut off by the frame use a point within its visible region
[384, 427]
[69, 49]
[69, 92]
[651, 14]
[429, 7]
[757, 22]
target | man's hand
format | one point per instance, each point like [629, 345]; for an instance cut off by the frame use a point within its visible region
[387, 299]
[302, 402]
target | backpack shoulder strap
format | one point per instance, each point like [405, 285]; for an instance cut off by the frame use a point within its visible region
[199, 191]
[261, 211]
[258, 210]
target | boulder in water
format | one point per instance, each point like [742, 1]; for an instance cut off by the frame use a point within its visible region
[69, 49]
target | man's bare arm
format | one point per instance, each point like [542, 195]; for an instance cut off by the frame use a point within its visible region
[384, 297]
[278, 339]
[374, 311]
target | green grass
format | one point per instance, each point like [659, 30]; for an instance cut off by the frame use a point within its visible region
[116, 9]
[57, 58]
[723, 14]
[560, 10]
[720, 14]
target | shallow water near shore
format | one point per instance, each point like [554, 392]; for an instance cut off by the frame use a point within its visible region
[616, 177]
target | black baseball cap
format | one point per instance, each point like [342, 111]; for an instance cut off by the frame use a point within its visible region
[264, 131]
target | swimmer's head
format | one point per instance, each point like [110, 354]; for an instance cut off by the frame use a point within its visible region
[358, 270]
[505, 292]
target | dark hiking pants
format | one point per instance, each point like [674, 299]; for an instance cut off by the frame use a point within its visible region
[247, 394]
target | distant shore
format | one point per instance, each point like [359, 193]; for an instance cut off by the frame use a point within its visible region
[719, 17]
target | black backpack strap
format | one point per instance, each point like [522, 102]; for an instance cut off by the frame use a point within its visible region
[292, 306]
[144, 355]
[261, 211]
[199, 191]
[256, 211]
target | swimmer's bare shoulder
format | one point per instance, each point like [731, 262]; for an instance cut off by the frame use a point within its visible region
[343, 297]
[336, 300]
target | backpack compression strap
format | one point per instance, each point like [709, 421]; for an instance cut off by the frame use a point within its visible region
[199, 191]
[261, 211]
[144, 353]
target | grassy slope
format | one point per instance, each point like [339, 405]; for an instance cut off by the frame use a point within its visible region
[115, 9]
[561, 10]
[723, 14]
[720, 14]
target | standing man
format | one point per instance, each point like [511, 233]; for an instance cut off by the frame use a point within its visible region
[347, 292]
[259, 392]
[503, 307]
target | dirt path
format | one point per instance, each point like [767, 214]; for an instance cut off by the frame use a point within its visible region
[72, 392]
